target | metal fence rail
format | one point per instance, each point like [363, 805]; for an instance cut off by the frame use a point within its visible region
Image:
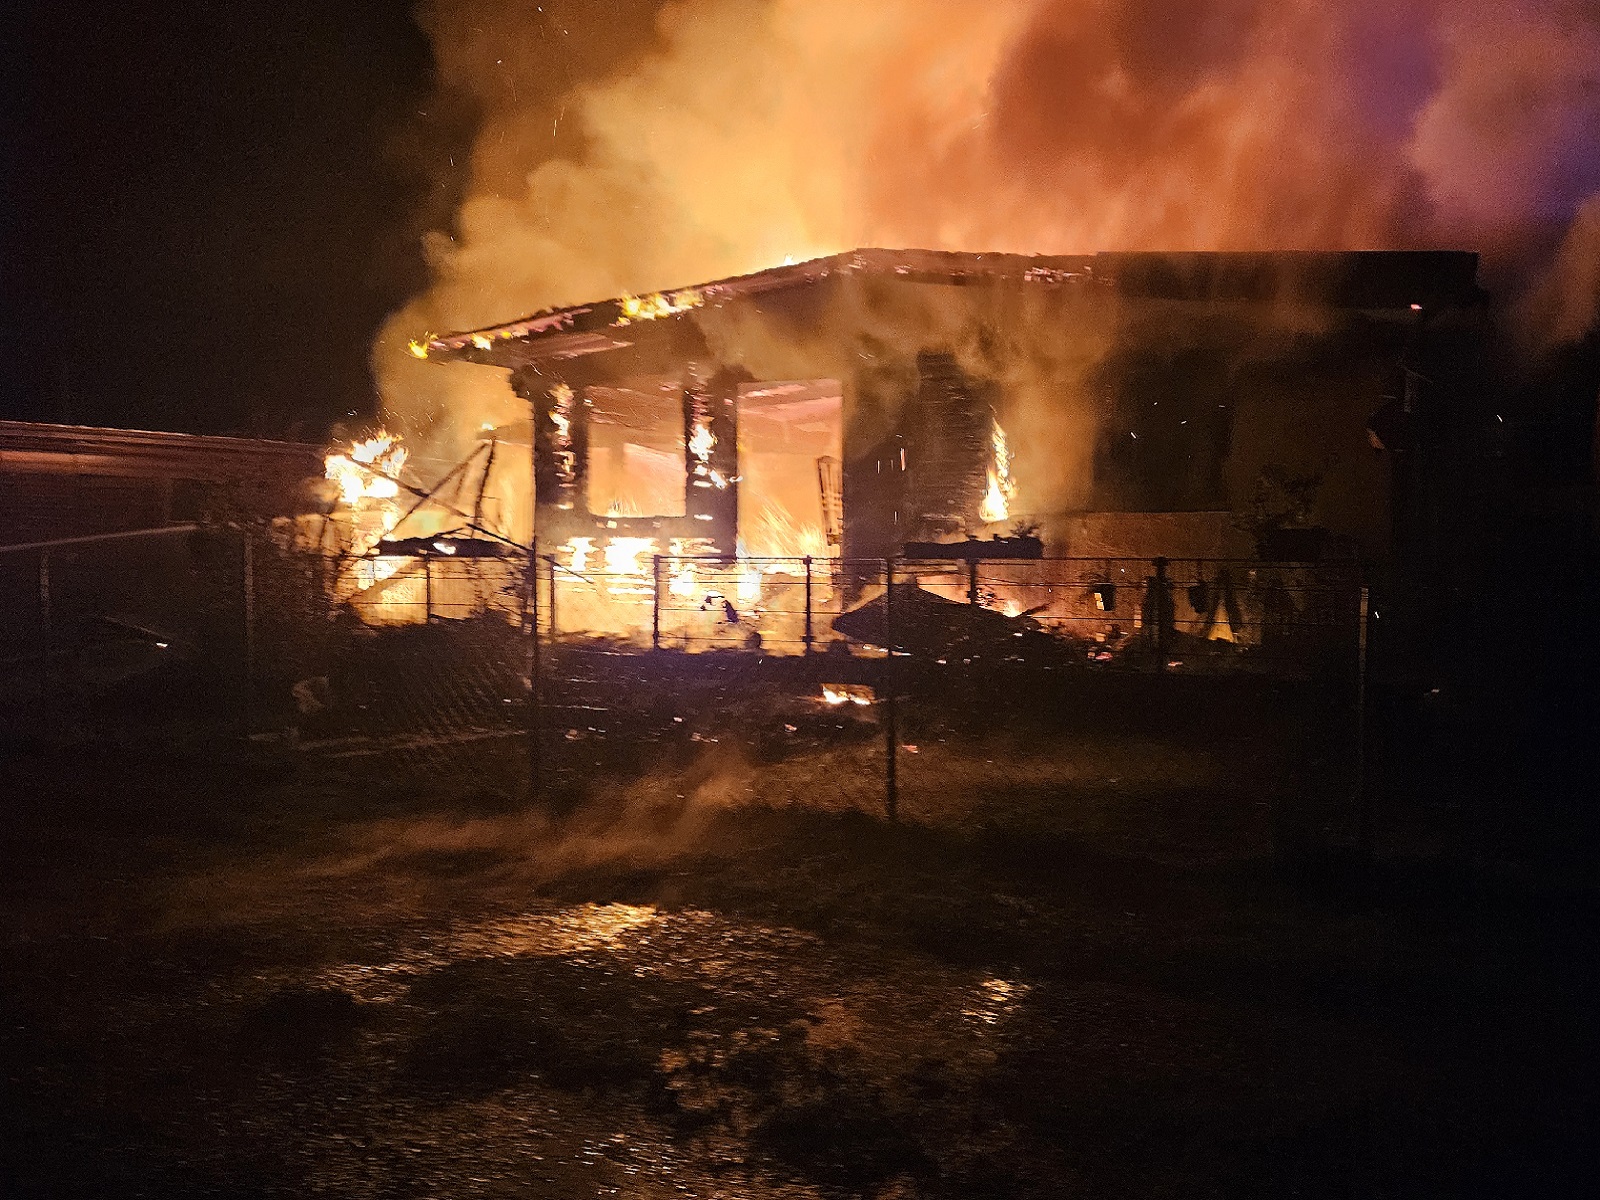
[874, 671]
[1207, 614]
[201, 632]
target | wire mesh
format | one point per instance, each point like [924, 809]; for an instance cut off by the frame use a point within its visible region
[125, 632]
[648, 661]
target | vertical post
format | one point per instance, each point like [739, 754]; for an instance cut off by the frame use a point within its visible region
[249, 626]
[655, 603]
[535, 687]
[427, 588]
[47, 682]
[891, 734]
[551, 623]
[806, 638]
[44, 594]
[1161, 610]
[1363, 798]
[972, 581]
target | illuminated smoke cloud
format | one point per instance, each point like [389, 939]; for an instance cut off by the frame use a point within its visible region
[634, 146]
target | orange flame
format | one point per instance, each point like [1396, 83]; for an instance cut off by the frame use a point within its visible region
[361, 473]
[657, 305]
[846, 693]
[701, 442]
[1002, 488]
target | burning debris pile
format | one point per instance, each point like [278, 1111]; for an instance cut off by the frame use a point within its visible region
[368, 475]
[415, 563]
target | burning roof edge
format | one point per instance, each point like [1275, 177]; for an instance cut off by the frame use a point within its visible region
[1360, 279]
[581, 328]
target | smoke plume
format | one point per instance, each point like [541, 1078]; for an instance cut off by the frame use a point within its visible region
[653, 145]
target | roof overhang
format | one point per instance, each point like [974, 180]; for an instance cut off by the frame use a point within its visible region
[566, 333]
[1376, 280]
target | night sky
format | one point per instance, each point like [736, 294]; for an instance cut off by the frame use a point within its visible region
[209, 208]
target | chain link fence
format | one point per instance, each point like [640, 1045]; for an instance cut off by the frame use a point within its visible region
[900, 687]
[1208, 615]
[142, 633]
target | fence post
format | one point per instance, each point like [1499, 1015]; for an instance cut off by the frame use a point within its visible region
[551, 623]
[44, 594]
[1161, 610]
[972, 581]
[891, 735]
[47, 681]
[535, 688]
[655, 602]
[427, 588]
[1363, 797]
[249, 626]
[807, 638]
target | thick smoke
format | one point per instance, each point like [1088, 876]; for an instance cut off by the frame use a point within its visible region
[652, 145]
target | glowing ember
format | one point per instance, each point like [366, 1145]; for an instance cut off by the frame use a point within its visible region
[846, 693]
[418, 347]
[560, 414]
[657, 305]
[701, 442]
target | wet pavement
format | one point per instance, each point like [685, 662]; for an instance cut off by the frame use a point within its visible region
[766, 1004]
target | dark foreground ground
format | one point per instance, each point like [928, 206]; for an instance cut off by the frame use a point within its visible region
[1102, 964]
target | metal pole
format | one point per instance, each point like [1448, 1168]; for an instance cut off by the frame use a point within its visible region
[972, 581]
[44, 594]
[655, 603]
[164, 530]
[47, 682]
[1161, 611]
[1363, 799]
[249, 625]
[807, 638]
[551, 622]
[535, 687]
[891, 735]
[427, 589]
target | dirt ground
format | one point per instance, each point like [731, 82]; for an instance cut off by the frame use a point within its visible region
[1102, 963]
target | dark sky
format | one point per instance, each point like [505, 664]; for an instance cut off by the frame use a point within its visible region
[209, 207]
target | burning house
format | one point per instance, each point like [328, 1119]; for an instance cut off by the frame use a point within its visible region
[1204, 404]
